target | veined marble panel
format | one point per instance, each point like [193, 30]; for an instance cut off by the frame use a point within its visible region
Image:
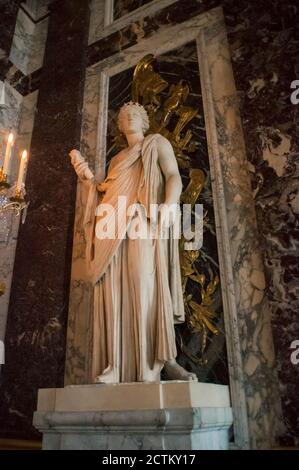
[19, 117]
[36, 8]
[248, 316]
[255, 402]
[81, 291]
[270, 122]
[102, 11]
[28, 46]
[97, 19]
[123, 7]
[164, 429]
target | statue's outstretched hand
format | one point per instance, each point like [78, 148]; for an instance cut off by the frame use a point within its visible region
[76, 156]
[80, 165]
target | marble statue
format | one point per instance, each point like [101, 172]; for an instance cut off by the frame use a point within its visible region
[137, 282]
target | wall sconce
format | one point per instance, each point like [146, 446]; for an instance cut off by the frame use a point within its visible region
[11, 196]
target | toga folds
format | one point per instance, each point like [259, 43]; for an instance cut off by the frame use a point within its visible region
[137, 282]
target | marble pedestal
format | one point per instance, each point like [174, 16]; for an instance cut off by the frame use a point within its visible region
[157, 416]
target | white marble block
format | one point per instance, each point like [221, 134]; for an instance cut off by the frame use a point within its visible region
[132, 416]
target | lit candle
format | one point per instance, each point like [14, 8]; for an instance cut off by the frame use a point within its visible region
[22, 170]
[7, 153]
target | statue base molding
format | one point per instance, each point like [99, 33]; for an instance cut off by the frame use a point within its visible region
[133, 416]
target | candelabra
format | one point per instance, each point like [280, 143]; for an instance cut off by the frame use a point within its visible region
[12, 196]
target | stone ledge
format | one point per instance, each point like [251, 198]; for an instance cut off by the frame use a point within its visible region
[169, 429]
[176, 419]
[133, 396]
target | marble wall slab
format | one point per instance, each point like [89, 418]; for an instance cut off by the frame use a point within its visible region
[103, 21]
[28, 46]
[23, 40]
[123, 7]
[37, 9]
[97, 19]
[145, 22]
[248, 329]
[93, 142]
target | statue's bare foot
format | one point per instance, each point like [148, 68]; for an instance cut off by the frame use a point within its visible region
[176, 372]
[109, 376]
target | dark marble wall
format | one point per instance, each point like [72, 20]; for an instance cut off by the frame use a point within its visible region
[264, 42]
[37, 317]
[123, 7]
[8, 16]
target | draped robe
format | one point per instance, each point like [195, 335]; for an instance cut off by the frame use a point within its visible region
[137, 282]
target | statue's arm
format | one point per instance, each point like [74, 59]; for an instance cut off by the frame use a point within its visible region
[81, 166]
[170, 170]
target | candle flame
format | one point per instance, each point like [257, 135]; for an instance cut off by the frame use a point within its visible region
[10, 137]
[24, 154]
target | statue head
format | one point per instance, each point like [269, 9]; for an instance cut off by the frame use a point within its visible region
[132, 118]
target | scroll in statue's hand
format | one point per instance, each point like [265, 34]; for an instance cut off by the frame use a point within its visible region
[80, 165]
[76, 157]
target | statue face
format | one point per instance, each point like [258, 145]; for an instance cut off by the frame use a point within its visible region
[130, 121]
